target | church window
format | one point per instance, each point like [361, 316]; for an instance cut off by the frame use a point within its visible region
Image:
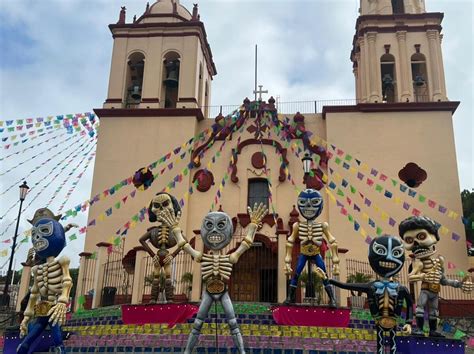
[200, 84]
[413, 175]
[258, 192]
[398, 7]
[419, 77]
[206, 99]
[171, 66]
[387, 69]
[134, 79]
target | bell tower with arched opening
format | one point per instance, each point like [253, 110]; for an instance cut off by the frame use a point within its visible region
[396, 53]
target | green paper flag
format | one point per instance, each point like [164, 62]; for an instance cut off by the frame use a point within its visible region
[81, 300]
[348, 157]
[117, 241]
[339, 192]
[117, 205]
[378, 188]
[353, 190]
[379, 231]
[72, 237]
[135, 218]
[394, 182]
[337, 160]
[459, 334]
[351, 219]
[421, 198]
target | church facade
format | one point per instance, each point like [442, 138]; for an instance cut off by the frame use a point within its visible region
[383, 169]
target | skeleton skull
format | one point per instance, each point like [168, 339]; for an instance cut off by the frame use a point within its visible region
[420, 242]
[160, 203]
[216, 230]
[48, 238]
[310, 204]
[386, 255]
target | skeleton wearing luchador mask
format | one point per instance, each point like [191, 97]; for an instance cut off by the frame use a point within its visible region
[162, 240]
[385, 296]
[52, 283]
[311, 235]
[420, 236]
[216, 267]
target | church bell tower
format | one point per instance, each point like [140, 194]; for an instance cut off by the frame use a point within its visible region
[397, 54]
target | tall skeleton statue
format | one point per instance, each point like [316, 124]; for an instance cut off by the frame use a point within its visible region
[216, 267]
[385, 296]
[51, 283]
[162, 239]
[420, 236]
[311, 235]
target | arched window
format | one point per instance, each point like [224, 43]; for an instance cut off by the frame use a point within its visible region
[200, 84]
[420, 77]
[258, 192]
[134, 79]
[387, 70]
[398, 7]
[170, 85]
[206, 99]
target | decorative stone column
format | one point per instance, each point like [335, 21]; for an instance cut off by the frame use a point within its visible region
[99, 272]
[406, 85]
[24, 284]
[374, 83]
[139, 275]
[355, 71]
[364, 80]
[281, 280]
[79, 291]
[198, 246]
[433, 42]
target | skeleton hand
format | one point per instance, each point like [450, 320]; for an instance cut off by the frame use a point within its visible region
[168, 218]
[288, 269]
[467, 285]
[24, 326]
[406, 329]
[433, 277]
[58, 314]
[156, 260]
[167, 259]
[71, 225]
[335, 269]
[320, 273]
[257, 214]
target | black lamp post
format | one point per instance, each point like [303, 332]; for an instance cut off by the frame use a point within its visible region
[6, 298]
[307, 160]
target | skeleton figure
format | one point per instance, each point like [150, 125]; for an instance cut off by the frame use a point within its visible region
[51, 284]
[216, 233]
[386, 257]
[311, 235]
[161, 238]
[420, 236]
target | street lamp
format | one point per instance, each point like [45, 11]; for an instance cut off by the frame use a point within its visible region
[6, 298]
[306, 167]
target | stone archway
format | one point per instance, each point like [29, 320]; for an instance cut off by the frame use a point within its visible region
[254, 278]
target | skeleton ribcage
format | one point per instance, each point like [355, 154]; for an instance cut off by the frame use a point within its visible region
[386, 304]
[160, 237]
[216, 266]
[49, 276]
[310, 232]
[431, 265]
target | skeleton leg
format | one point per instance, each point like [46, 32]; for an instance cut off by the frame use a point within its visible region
[168, 283]
[318, 260]
[380, 340]
[433, 315]
[420, 312]
[391, 341]
[58, 339]
[206, 303]
[291, 297]
[35, 330]
[155, 285]
[232, 321]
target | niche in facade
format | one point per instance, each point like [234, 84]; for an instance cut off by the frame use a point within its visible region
[171, 64]
[419, 77]
[134, 79]
[387, 70]
[398, 7]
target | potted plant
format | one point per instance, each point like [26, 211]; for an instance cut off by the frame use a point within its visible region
[187, 278]
[358, 301]
[317, 283]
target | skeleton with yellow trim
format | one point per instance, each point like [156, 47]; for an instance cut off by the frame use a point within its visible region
[311, 235]
[420, 236]
[216, 266]
[52, 282]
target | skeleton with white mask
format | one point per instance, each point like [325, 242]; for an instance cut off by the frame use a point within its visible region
[420, 236]
[216, 233]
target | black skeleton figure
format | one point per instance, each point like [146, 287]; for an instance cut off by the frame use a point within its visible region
[386, 257]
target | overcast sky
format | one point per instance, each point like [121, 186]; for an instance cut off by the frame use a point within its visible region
[55, 59]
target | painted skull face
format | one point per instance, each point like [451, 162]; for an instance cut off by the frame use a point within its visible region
[420, 242]
[216, 230]
[48, 238]
[160, 203]
[310, 204]
[386, 255]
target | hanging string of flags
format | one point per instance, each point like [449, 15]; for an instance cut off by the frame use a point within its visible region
[29, 138]
[28, 123]
[32, 146]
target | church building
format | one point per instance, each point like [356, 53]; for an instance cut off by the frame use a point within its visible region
[397, 159]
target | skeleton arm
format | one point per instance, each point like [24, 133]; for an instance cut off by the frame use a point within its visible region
[29, 311]
[416, 274]
[69, 227]
[144, 242]
[58, 312]
[289, 248]
[256, 216]
[465, 285]
[333, 246]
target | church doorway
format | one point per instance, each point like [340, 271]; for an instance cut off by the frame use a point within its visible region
[254, 278]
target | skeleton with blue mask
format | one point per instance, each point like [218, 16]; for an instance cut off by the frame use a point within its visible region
[385, 296]
[52, 282]
[311, 235]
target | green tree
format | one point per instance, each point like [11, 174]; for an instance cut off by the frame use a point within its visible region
[467, 198]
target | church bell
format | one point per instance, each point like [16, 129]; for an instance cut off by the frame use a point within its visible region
[172, 74]
[135, 92]
[419, 81]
